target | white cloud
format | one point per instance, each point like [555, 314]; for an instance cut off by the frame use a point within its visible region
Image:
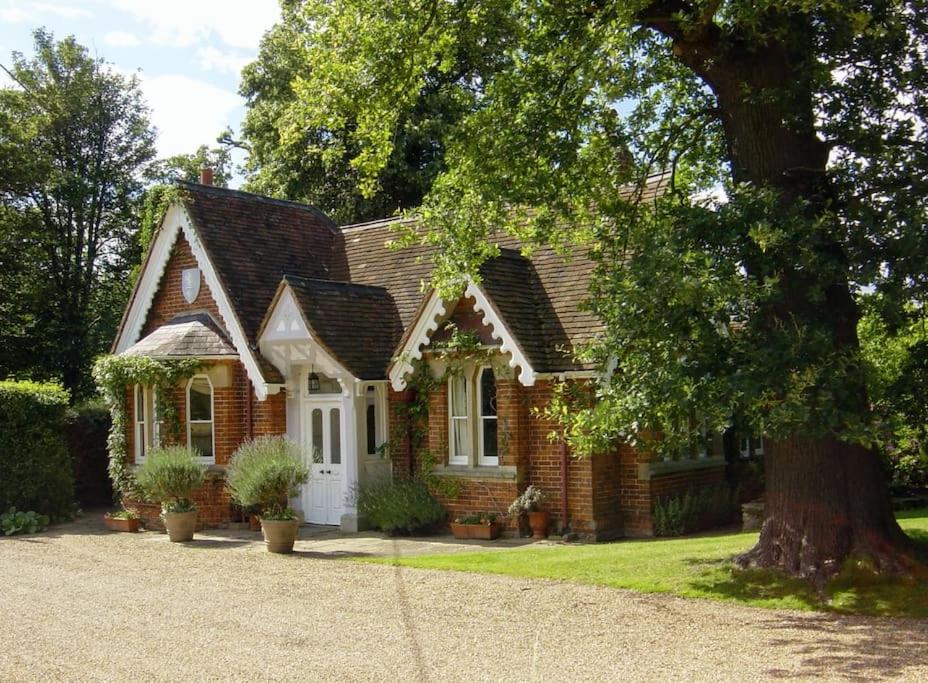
[14, 12]
[121, 39]
[187, 112]
[62, 10]
[212, 59]
[181, 23]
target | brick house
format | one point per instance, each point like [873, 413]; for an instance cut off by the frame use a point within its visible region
[313, 330]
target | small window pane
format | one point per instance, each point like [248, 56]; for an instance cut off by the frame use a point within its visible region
[200, 400]
[335, 435]
[487, 392]
[371, 429]
[317, 435]
[461, 438]
[201, 439]
[458, 397]
[489, 439]
[139, 403]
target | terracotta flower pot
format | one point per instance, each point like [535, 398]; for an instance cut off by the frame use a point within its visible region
[180, 525]
[280, 534]
[118, 524]
[484, 532]
[539, 521]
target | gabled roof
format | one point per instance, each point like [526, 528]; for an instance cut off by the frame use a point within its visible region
[253, 241]
[357, 324]
[187, 336]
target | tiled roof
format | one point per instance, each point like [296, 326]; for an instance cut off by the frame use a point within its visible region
[358, 324]
[189, 336]
[254, 241]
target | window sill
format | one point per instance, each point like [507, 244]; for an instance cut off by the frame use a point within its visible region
[648, 470]
[487, 472]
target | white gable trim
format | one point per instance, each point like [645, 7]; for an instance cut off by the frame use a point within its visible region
[432, 316]
[508, 343]
[428, 321]
[287, 342]
[176, 220]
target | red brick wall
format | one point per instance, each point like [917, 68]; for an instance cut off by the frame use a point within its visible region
[230, 403]
[605, 497]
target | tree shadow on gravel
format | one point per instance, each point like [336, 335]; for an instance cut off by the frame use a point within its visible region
[868, 648]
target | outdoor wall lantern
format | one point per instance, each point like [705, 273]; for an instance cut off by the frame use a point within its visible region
[313, 381]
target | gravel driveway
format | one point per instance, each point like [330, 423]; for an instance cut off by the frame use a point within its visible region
[80, 605]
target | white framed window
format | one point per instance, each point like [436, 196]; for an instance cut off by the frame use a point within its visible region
[200, 432]
[460, 427]
[751, 444]
[487, 428]
[145, 434]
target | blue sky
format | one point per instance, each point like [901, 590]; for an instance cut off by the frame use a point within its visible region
[188, 53]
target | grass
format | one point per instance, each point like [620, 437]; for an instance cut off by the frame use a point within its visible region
[699, 567]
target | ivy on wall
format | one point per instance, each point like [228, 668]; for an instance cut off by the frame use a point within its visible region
[114, 375]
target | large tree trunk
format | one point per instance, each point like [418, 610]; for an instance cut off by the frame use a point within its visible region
[826, 499]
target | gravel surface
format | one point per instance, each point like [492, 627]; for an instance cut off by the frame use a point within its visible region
[82, 605]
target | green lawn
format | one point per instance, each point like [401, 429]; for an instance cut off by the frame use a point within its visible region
[697, 567]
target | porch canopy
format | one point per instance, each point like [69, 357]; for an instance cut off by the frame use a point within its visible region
[186, 336]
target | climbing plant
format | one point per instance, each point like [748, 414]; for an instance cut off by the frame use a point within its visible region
[114, 375]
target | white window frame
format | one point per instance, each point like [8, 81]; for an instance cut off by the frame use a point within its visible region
[485, 460]
[751, 444]
[453, 457]
[212, 414]
[140, 427]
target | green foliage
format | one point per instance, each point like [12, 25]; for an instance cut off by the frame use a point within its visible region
[897, 358]
[74, 136]
[401, 506]
[318, 163]
[35, 470]
[264, 473]
[114, 376]
[170, 476]
[694, 510]
[482, 518]
[126, 513]
[14, 522]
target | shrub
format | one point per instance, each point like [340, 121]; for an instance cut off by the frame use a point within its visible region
[264, 473]
[399, 506]
[35, 470]
[530, 501]
[85, 432]
[169, 476]
[14, 522]
[693, 510]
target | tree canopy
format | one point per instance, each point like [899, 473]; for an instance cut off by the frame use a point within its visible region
[74, 136]
[793, 133]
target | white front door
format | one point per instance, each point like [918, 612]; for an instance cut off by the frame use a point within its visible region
[323, 499]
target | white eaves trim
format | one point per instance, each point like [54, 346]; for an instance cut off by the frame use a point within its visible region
[176, 220]
[508, 344]
[432, 316]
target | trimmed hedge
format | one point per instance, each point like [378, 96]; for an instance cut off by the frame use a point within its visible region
[35, 469]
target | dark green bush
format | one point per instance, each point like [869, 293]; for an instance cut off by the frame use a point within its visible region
[399, 506]
[693, 510]
[35, 470]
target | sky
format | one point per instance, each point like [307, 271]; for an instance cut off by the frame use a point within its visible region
[187, 53]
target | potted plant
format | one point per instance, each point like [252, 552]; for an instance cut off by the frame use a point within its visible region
[126, 519]
[529, 503]
[483, 526]
[170, 476]
[265, 473]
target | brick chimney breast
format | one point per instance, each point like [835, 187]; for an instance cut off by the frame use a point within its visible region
[206, 175]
